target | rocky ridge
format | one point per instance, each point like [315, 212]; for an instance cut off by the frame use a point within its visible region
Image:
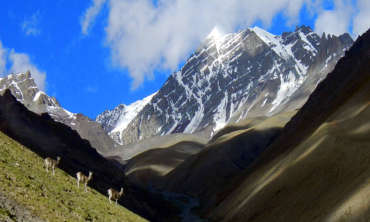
[25, 90]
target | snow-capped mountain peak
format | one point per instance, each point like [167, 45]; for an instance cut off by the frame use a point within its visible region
[131, 111]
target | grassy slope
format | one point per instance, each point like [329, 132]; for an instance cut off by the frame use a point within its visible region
[53, 198]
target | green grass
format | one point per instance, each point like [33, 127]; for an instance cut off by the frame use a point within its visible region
[5, 215]
[52, 198]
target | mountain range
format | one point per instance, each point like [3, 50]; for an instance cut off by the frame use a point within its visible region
[229, 78]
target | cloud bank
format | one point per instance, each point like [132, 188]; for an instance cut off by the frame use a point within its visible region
[20, 62]
[146, 35]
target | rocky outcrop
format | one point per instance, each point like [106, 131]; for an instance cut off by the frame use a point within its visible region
[11, 211]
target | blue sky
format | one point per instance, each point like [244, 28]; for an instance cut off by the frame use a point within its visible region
[93, 55]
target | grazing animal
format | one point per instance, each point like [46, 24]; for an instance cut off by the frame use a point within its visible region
[83, 179]
[51, 163]
[114, 194]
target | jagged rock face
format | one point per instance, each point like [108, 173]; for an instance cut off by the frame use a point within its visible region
[23, 87]
[239, 75]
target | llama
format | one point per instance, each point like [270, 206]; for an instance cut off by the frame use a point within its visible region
[114, 194]
[51, 163]
[83, 179]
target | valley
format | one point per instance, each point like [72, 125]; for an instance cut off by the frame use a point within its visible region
[253, 127]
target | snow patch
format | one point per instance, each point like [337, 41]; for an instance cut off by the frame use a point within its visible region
[130, 112]
[287, 88]
[264, 102]
[273, 41]
[220, 117]
[37, 96]
[308, 46]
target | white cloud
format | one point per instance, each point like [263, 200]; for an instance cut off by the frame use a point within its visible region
[361, 21]
[335, 21]
[30, 26]
[90, 15]
[21, 63]
[144, 37]
[2, 59]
